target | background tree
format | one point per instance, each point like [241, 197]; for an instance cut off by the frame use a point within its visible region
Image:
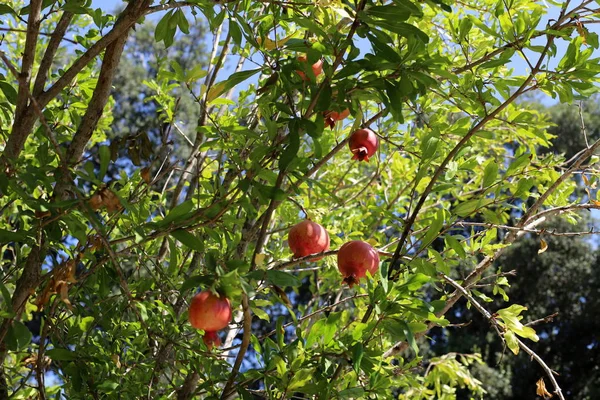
[560, 282]
[110, 262]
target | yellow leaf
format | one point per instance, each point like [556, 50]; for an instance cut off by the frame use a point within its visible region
[595, 202]
[541, 389]
[585, 180]
[116, 360]
[372, 242]
[272, 44]
[543, 246]
[259, 259]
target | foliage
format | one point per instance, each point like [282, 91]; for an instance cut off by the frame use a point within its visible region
[108, 263]
[565, 282]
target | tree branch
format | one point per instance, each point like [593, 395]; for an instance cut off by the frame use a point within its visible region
[229, 388]
[499, 330]
[13, 147]
[55, 39]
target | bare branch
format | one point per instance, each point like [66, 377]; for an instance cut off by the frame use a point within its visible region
[229, 388]
[55, 39]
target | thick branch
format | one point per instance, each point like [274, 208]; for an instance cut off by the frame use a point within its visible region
[17, 138]
[53, 45]
[98, 101]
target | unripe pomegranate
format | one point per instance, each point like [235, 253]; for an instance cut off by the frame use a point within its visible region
[210, 313]
[317, 68]
[331, 117]
[308, 237]
[363, 143]
[355, 258]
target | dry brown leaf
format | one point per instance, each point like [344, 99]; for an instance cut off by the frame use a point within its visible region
[541, 389]
[145, 174]
[543, 246]
[95, 202]
[585, 180]
[105, 198]
[62, 275]
[282, 295]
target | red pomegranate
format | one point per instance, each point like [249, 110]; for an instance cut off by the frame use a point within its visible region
[317, 68]
[363, 143]
[308, 237]
[210, 313]
[331, 117]
[355, 258]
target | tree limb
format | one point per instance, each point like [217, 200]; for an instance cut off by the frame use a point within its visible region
[55, 38]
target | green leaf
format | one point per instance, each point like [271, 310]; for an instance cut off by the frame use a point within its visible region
[17, 336]
[86, 324]
[395, 96]
[357, 355]
[188, 240]
[9, 92]
[61, 354]
[4, 9]
[195, 281]
[511, 342]
[429, 146]
[490, 173]
[178, 213]
[384, 50]
[108, 386]
[234, 80]
[290, 152]
[518, 163]
[235, 31]
[468, 207]
[463, 30]
[390, 12]
[280, 278]
[455, 245]
[5, 295]
[352, 393]
[434, 228]
[142, 310]
[182, 22]
[104, 152]
[161, 28]
[410, 338]
[261, 314]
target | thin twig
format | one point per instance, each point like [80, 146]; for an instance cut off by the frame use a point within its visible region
[500, 332]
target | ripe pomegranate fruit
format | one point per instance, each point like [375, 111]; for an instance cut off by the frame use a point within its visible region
[210, 313]
[363, 143]
[331, 117]
[308, 237]
[317, 68]
[355, 258]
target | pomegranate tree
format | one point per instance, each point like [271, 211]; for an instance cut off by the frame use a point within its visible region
[308, 237]
[210, 313]
[317, 68]
[355, 258]
[363, 144]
